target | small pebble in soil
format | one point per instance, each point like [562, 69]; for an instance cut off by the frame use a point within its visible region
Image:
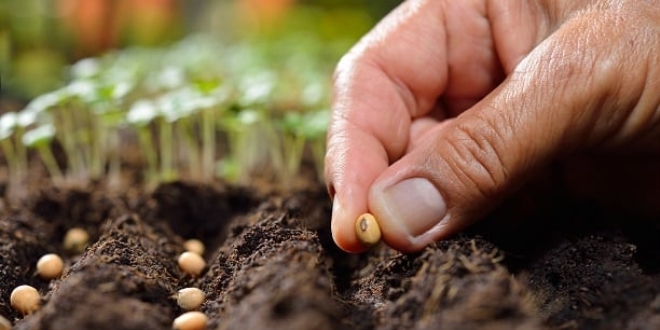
[194, 245]
[4, 323]
[190, 298]
[367, 230]
[50, 266]
[191, 263]
[75, 240]
[190, 321]
[25, 299]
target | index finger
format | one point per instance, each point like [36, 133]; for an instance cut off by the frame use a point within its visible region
[376, 95]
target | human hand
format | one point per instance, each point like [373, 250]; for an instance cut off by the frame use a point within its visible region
[448, 107]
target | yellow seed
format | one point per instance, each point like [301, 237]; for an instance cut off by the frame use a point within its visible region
[4, 323]
[194, 245]
[191, 263]
[367, 230]
[76, 240]
[25, 299]
[50, 266]
[190, 298]
[190, 321]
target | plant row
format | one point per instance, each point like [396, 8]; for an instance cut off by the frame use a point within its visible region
[197, 110]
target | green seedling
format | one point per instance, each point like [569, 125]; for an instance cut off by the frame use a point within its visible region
[40, 138]
[247, 136]
[213, 98]
[314, 130]
[16, 164]
[176, 110]
[291, 148]
[107, 120]
[298, 131]
[140, 116]
[196, 110]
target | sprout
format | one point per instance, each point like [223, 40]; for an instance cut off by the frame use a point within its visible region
[15, 156]
[25, 299]
[314, 130]
[85, 68]
[247, 131]
[296, 131]
[290, 151]
[141, 114]
[83, 89]
[26, 118]
[46, 101]
[313, 94]
[113, 91]
[197, 108]
[8, 122]
[40, 139]
[170, 78]
[106, 119]
[257, 88]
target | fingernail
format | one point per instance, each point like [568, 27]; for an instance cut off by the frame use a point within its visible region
[412, 205]
[337, 213]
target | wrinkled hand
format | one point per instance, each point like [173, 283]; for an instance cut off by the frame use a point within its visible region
[448, 107]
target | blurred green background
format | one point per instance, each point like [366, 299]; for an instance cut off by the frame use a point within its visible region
[40, 38]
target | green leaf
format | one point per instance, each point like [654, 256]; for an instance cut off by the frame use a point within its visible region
[142, 113]
[8, 122]
[39, 136]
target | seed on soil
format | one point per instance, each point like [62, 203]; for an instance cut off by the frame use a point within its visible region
[191, 263]
[50, 266]
[25, 299]
[76, 240]
[4, 323]
[367, 230]
[190, 298]
[194, 245]
[190, 321]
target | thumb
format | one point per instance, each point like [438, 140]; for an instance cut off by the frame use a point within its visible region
[556, 101]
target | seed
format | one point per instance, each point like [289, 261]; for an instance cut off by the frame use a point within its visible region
[4, 323]
[25, 299]
[191, 263]
[194, 245]
[50, 266]
[76, 240]
[367, 230]
[190, 298]
[190, 321]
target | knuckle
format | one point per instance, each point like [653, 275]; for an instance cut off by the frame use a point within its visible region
[476, 157]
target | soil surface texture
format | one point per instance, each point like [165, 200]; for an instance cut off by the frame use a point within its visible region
[271, 264]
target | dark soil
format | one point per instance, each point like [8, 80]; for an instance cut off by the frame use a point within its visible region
[272, 265]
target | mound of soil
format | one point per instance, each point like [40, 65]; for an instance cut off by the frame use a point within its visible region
[271, 264]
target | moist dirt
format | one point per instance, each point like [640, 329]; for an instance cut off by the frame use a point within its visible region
[271, 264]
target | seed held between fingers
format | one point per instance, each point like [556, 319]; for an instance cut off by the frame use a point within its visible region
[367, 230]
[190, 321]
[25, 299]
